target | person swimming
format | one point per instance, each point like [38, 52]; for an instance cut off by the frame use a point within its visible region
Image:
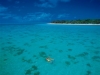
[49, 59]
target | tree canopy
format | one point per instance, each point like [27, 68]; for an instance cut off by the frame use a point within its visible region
[85, 21]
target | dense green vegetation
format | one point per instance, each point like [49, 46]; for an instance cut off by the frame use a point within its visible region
[86, 21]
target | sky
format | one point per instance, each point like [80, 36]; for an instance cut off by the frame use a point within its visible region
[32, 11]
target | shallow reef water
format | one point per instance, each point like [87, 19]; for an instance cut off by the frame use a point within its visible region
[75, 50]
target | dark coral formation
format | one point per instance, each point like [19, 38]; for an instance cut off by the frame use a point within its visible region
[82, 54]
[27, 44]
[97, 52]
[28, 72]
[71, 57]
[37, 73]
[70, 44]
[88, 73]
[19, 52]
[67, 63]
[45, 46]
[34, 67]
[60, 51]
[75, 62]
[13, 50]
[43, 54]
[32, 71]
[69, 49]
[96, 58]
[5, 59]
[88, 64]
[26, 60]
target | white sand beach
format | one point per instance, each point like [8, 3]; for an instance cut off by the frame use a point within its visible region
[69, 24]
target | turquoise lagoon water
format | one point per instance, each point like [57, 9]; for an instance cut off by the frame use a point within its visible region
[24, 49]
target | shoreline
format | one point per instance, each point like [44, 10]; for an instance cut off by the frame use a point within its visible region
[69, 24]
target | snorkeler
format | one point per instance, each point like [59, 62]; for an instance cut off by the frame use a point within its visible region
[49, 59]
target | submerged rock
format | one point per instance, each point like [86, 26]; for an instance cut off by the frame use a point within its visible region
[71, 57]
[32, 71]
[43, 54]
[34, 67]
[37, 73]
[96, 58]
[82, 54]
[88, 73]
[88, 65]
[67, 63]
[28, 72]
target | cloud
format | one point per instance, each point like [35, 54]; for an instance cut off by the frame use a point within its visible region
[30, 17]
[63, 15]
[6, 16]
[53, 1]
[56, 1]
[10, 16]
[44, 5]
[42, 0]
[17, 2]
[50, 3]
[1, 14]
[37, 16]
[9, 0]
[2, 8]
[65, 0]
[43, 16]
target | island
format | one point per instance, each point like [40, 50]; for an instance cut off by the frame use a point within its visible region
[79, 21]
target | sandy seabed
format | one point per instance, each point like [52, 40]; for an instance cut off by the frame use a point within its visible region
[24, 49]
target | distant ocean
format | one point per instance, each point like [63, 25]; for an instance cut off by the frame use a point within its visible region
[75, 49]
